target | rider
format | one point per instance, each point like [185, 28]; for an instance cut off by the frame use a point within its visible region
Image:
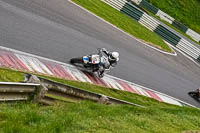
[198, 92]
[113, 58]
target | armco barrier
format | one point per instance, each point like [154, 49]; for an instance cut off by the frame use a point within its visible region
[146, 5]
[193, 34]
[154, 25]
[185, 46]
[167, 35]
[45, 91]
[165, 17]
[131, 11]
[52, 90]
[11, 91]
[180, 26]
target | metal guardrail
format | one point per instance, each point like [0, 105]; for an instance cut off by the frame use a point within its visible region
[10, 91]
[56, 89]
[45, 91]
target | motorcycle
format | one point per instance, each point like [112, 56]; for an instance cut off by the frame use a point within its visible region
[93, 63]
[195, 95]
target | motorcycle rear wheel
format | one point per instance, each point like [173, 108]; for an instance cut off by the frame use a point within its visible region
[193, 94]
[77, 60]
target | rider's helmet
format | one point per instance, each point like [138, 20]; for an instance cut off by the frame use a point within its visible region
[114, 56]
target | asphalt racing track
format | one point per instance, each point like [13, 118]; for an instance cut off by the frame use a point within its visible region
[60, 30]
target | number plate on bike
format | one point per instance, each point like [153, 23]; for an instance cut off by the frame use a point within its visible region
[95, 59]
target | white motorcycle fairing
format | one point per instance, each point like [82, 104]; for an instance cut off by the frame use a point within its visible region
[95, 59]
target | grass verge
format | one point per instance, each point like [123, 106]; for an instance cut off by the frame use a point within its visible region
[91, 117]
[60, 98]
[123, 22]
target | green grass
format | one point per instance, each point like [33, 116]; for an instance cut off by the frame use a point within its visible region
[123, 22]
[60, 98]
[85, 117]
[7, 75]
[185, 11]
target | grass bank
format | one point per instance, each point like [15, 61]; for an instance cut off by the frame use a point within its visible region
[91, 117]
[123, 22]
[185, 11]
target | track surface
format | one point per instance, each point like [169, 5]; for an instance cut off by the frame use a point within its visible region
[60, 30]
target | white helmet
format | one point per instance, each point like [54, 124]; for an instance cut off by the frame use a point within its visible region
[115, 56]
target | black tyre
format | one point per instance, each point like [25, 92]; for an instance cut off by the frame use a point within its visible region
[100, 74]
[192, 94]
[76, 60]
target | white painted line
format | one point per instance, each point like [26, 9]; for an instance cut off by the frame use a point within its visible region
[172, 47]
[123, 31]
